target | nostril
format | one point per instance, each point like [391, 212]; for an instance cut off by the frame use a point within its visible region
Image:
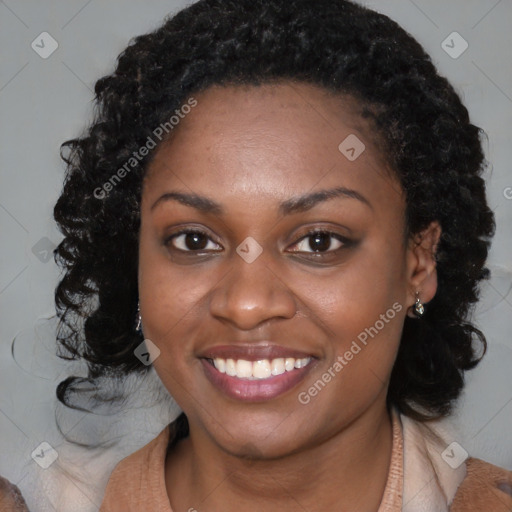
[505, 487]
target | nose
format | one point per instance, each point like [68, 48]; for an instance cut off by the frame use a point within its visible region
[251, 294]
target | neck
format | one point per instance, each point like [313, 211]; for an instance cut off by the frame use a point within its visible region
[332, 475]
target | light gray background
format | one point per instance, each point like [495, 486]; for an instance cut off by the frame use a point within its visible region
[46, 101]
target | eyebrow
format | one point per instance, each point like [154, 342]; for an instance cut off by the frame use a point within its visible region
[294, 205]
[308, 201]
[201, 203]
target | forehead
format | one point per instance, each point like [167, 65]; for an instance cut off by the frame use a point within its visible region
[271, 140]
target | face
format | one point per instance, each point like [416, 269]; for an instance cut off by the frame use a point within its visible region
[273, 273]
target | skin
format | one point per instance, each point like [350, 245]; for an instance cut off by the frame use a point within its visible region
[250, 149]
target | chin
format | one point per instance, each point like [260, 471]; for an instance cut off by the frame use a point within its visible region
[264, 442]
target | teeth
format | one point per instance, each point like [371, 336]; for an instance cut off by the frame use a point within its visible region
[220, 364]
[243, 369]
[262, 369]
[230, 367]
[277, 366]
[300, 363]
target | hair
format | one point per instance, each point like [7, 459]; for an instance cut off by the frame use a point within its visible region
[429, 143]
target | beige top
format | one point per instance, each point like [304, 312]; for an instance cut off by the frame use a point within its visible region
[138, 481]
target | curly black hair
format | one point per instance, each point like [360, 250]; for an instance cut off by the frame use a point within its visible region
[350, 50]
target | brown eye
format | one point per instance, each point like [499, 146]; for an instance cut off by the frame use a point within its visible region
[189, 241]
[319, 241]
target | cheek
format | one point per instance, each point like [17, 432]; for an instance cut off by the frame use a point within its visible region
[353, 296]
[172, 298]
[360, 308]
[160, 281]
[173, 310]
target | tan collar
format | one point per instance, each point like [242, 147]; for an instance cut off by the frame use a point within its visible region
[431, 483]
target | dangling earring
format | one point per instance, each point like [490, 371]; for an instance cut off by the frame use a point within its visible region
[138, 324]
[418, 308]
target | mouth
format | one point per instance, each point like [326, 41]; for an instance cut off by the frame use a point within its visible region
[255, 373]
[260, 369]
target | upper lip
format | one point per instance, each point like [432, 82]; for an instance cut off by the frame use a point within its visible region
[253, 352]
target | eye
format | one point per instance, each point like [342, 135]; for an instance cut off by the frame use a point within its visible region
[320, 242]
[192, 241]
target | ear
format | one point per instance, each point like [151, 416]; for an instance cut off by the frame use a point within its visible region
[421, 265]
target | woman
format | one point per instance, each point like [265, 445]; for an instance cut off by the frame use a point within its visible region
[285, 200]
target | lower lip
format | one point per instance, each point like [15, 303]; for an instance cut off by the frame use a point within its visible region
[255, 390]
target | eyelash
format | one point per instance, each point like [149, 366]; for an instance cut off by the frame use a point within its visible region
[346, 243]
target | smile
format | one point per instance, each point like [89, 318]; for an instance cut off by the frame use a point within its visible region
[255, 373]
[258, 370]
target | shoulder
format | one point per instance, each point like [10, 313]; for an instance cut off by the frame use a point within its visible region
[486, 487]
[475, 486]
[138, 477]
[11, 499]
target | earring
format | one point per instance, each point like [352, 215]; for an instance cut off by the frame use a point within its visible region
[138, 324]
[418, 308]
